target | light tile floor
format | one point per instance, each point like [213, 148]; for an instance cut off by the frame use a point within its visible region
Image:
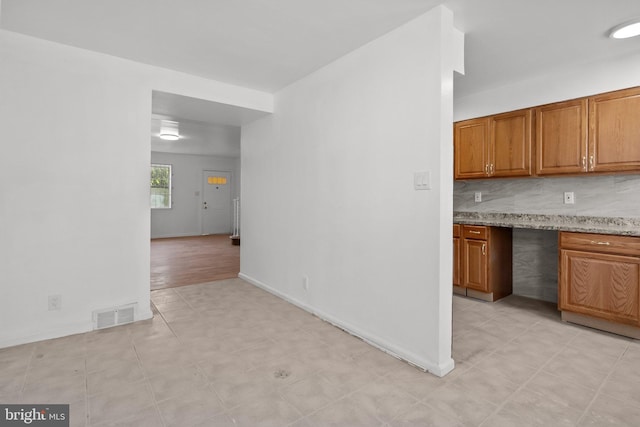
[229, 354]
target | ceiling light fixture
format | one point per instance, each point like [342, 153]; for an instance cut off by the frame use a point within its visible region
[626, 30]
[169, 130]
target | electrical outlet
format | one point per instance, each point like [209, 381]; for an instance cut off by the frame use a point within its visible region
[569, 198]
[478, 196]
[55, 302]
[305, 283]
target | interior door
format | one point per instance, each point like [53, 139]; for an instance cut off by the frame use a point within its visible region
[216, 203]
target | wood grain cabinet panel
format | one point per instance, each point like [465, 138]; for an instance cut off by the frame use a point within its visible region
[602, 285]
[561, 138]
[471, 149]
[599, 277]
[475, 265]
[511, 144]
[614, 131]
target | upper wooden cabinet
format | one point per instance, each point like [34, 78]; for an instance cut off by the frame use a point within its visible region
[471, 149]
[511, 140]
[561, 138]
[497, 146]
[614, 131]
[600, 133]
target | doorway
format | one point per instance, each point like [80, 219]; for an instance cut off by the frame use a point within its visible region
[208, 145]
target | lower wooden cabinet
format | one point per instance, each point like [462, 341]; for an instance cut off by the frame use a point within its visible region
[599, 278]
[456, 254]
[475, 267]
[482, 261]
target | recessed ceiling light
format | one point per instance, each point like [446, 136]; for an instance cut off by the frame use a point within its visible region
[169, 137]
[626, 30]
[169, 130]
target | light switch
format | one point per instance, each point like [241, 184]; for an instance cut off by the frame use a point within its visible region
[422, 180]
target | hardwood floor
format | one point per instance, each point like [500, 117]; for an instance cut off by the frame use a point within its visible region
[184, 261]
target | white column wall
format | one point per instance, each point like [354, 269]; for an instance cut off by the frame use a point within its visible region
[327, 188]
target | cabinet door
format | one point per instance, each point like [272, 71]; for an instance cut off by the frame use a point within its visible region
[456, 261]
[561, 138]
[614, 131]
[471, 146]
[475, 264]
[510, 150]
[600, 285]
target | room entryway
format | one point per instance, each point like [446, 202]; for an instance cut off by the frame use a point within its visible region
[184, 261]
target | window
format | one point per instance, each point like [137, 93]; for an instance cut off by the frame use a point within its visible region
[160, 186]
[217, 180]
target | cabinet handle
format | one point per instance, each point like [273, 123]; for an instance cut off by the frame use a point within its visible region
[584, 162]
[486, 169]
[593, 242]
[474, 232]
[591, 161]
[491, 169]
[484, 249]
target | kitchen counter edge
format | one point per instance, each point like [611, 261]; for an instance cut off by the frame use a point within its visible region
[583, 224]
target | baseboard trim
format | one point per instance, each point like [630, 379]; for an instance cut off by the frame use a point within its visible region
[63, 331]
[439, 370]
[170, 236]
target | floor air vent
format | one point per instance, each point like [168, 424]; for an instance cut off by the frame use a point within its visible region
[114, 316]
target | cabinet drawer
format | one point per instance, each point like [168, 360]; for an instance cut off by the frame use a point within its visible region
[456, 230]
[475, 232]
[602, 243]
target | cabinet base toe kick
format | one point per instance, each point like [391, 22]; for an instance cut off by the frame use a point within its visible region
[484, 296]
[604, 325]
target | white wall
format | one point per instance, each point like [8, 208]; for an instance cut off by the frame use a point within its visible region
[184, 218]
[74, 181]
[574, 82]
[327, 186]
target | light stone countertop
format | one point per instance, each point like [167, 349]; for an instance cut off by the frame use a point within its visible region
[584, 224]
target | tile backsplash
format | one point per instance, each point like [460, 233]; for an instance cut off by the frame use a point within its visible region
[615, 196]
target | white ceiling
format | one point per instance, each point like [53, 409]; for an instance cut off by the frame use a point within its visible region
[198, 138]
[268, 44]
[512, 40]
[262, 44]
